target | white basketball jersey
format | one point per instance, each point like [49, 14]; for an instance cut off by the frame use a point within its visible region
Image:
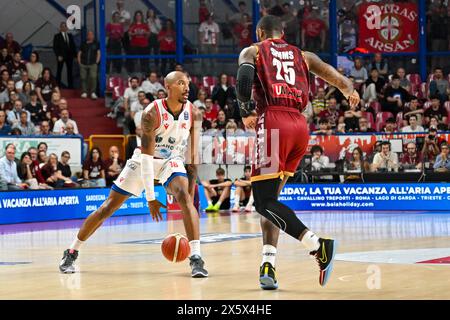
[172, 135]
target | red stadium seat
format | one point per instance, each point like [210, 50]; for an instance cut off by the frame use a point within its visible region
[113, 82]
[208, 83]
[376, 106]
[195, 80]
[380, 120]
[414, 78]
[369, 117]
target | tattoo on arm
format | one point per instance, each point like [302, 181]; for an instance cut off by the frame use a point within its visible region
[148, 124]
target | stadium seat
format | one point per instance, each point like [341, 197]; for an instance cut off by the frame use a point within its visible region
[369, 117]
[208, 83]
[380, 120]
[376, 106]
[113, 82]
[414, 78]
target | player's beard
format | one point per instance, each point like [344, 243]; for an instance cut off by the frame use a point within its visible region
[182, 100]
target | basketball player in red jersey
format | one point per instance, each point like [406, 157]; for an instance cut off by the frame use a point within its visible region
[167, 125]
[277, 74]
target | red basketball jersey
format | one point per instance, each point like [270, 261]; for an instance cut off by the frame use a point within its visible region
[282, 76]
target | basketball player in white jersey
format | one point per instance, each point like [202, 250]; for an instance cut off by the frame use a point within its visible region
[170, 127]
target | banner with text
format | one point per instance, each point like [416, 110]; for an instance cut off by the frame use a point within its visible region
[389, 27]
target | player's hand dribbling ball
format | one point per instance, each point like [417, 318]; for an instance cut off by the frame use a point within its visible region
[175, 247]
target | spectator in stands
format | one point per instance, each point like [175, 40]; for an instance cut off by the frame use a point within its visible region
[358, 72]
[13, 97]
[363, 125]
[411, 159]
[65, 52]
[11, 45]
[211, 112]
[5, 128]
[319, 103]
[30, 172]
[431, 146]
[390, 126]
[42, 158]
[348, 35]
[413, 125]
[395, 97]
[209, 41]
[439, 86]
[88, 60]
[15, 114]
[64, 166]
[352, 117]
[139, 33]
[125, 16]
[167, 45]
[42, 146]
[45, 129]
[114, 33]
[290, 24]
[380, 64]
[154, 24]
[324, 127]
[138, 105]
[201, 99]
[161, 94]
[53, 108]
[355, 166]
[242, 32]
[413, 109]
[318, 160]
[193, 90]
[45, 86]
[232, 112]
[4, 79]
[131, 93]
[8, 169]
[437, 111]
[70, 130]
[16, 67]
[217, 192]
[243, 195]
[15, 132]
[221, 121]
[94, 169]
[5, 95]
[223, 91]
[34, 67]
[313, 34]
[52, 175]
[60, 126]
[203, 11]
[404, 82]
[386, 160]
[5, 58]
[113, 165]
[26, 126]
[151, 85]
[33, 153]
[24, 79]
[237, 17]
[35, 108]
[25, 94]
[374, 87]
[332, 113]
[442, 163]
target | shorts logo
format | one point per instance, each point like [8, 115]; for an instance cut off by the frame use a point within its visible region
[132, 166]
[172, 140]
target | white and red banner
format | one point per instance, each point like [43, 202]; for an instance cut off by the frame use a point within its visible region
[389, 27]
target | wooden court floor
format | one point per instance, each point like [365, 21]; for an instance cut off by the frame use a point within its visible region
[380, 256]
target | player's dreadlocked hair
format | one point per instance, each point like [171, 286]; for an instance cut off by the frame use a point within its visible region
[270, 24]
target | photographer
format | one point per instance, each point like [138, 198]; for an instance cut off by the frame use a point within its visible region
[386, 160]
[430, 148]
[442, 163]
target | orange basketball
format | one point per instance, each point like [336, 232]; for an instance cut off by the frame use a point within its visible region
[175, 247]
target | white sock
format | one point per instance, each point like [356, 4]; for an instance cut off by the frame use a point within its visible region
[218, 203]
[250, 201]
[76, 244]
[311, 241]
[195, 247]
[269, 253]
[209, 203]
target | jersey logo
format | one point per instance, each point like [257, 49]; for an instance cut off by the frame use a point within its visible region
[183, 126]
[165, 153]
[166, 126]
[172, 140]
[165, 117]
[186, 116]
[158, 139]
[282, 90]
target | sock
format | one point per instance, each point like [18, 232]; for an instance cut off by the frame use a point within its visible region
[250, 201]
[195, 247]
[76, 244]
[218, 203]
[269, 253]
[310, 241]
[209, 203]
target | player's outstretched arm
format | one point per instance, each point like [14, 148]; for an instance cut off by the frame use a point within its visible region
[149, 123]
[332, 76]
[244, 84]
[194, 158]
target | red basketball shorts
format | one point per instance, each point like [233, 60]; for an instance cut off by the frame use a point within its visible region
[282, 138]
